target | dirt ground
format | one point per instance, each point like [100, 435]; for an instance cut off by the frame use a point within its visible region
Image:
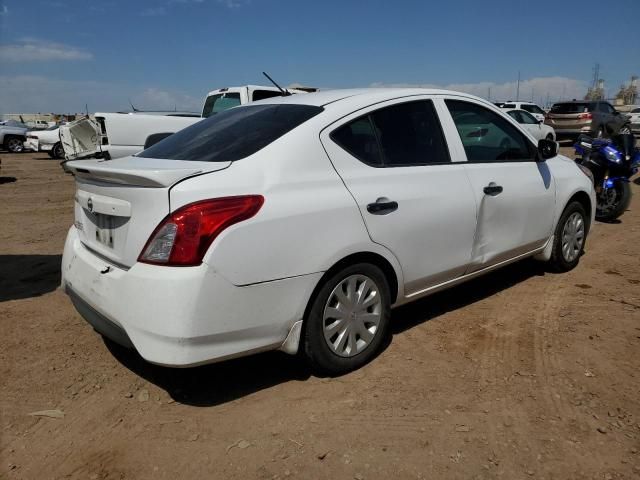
[521, 374]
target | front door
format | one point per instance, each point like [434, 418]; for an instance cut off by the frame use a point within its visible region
[515, 194]
[414, 200]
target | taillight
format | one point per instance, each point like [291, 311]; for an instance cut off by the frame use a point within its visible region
[585, 116]
[184, 236]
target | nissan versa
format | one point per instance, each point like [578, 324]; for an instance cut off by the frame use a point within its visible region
[296, 223]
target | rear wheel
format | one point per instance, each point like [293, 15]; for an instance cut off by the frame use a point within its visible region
[348, 320]
[569, 238]
[550, 137]
[57, 151]
[13, 144]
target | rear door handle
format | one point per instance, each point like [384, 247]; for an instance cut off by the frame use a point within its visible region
[493, 189]
[382, 206]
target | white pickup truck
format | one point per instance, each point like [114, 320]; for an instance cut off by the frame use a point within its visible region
[115, 135]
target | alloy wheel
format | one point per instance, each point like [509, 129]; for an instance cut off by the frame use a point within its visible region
[14, 145]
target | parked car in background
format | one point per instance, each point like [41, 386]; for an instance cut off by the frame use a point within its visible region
[39, 124]
[115, 135]
[594, 118]
[297, 222]
[634, 118]
[12, 135]
[45, 141]
[534, 126]
[530, 107]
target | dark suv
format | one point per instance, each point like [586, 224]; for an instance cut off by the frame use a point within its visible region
[595, 118]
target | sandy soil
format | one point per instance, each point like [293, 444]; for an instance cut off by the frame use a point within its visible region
[521, 374]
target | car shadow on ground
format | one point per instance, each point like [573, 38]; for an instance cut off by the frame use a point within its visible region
[7, 180]
[408, 316]
[219, 383]
[25, 276]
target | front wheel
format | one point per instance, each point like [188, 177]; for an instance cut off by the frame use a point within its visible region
[13, 144]
[569, 238]
[612, 202]
[348, 321]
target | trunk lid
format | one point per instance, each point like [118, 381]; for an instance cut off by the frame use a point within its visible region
[80, 139]
[119, 203]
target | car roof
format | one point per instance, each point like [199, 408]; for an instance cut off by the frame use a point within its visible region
[362, 95]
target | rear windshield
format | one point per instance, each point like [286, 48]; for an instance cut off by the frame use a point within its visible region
[566, 108]
[232, 134]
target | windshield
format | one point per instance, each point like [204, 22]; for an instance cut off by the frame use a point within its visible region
[532, 109]
[220, 102]
[233, 134]
[566, 108]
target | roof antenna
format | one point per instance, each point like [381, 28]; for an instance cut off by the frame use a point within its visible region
[132, 107]
[285, 92]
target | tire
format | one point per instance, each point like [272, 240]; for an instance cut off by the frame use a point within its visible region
[550, 137]
[564, 259]
[600, 132]
[57, 151]
[13, 144]
[358, 348]
[50, 153]
[623, 191]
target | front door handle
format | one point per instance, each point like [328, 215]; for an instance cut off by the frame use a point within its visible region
[493, 189]
[382, 206]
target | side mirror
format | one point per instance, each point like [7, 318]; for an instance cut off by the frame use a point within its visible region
[540, 122]
[547, 149]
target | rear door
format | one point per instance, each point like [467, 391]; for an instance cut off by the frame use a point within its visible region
[515, 195]
[413, 198]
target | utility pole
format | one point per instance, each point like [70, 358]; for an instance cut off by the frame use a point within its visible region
[489, 93]
[518, 88]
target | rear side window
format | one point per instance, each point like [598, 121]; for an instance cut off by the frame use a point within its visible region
[262, 94]
[407, 134]
[233, 134]
[486, 136]
[359, 139]
[220, 102]
[568, 108]
[509, 105]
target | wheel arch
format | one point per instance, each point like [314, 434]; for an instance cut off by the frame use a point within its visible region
[584, 199]
[373, 258]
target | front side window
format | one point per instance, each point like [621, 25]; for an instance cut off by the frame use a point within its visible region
[219, 103]
[406, 134]
[527, 118]
[486, 136]
[509, 105]
[233, 134]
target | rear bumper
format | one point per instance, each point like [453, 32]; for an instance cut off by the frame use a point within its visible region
[181, 316]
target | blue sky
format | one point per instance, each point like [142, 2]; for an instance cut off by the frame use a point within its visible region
[57, 55]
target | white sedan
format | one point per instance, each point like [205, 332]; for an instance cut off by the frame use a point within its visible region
[535, 127]
[45, 141]
[296, 223]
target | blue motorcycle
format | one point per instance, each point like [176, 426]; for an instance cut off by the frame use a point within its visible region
[612, 162]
